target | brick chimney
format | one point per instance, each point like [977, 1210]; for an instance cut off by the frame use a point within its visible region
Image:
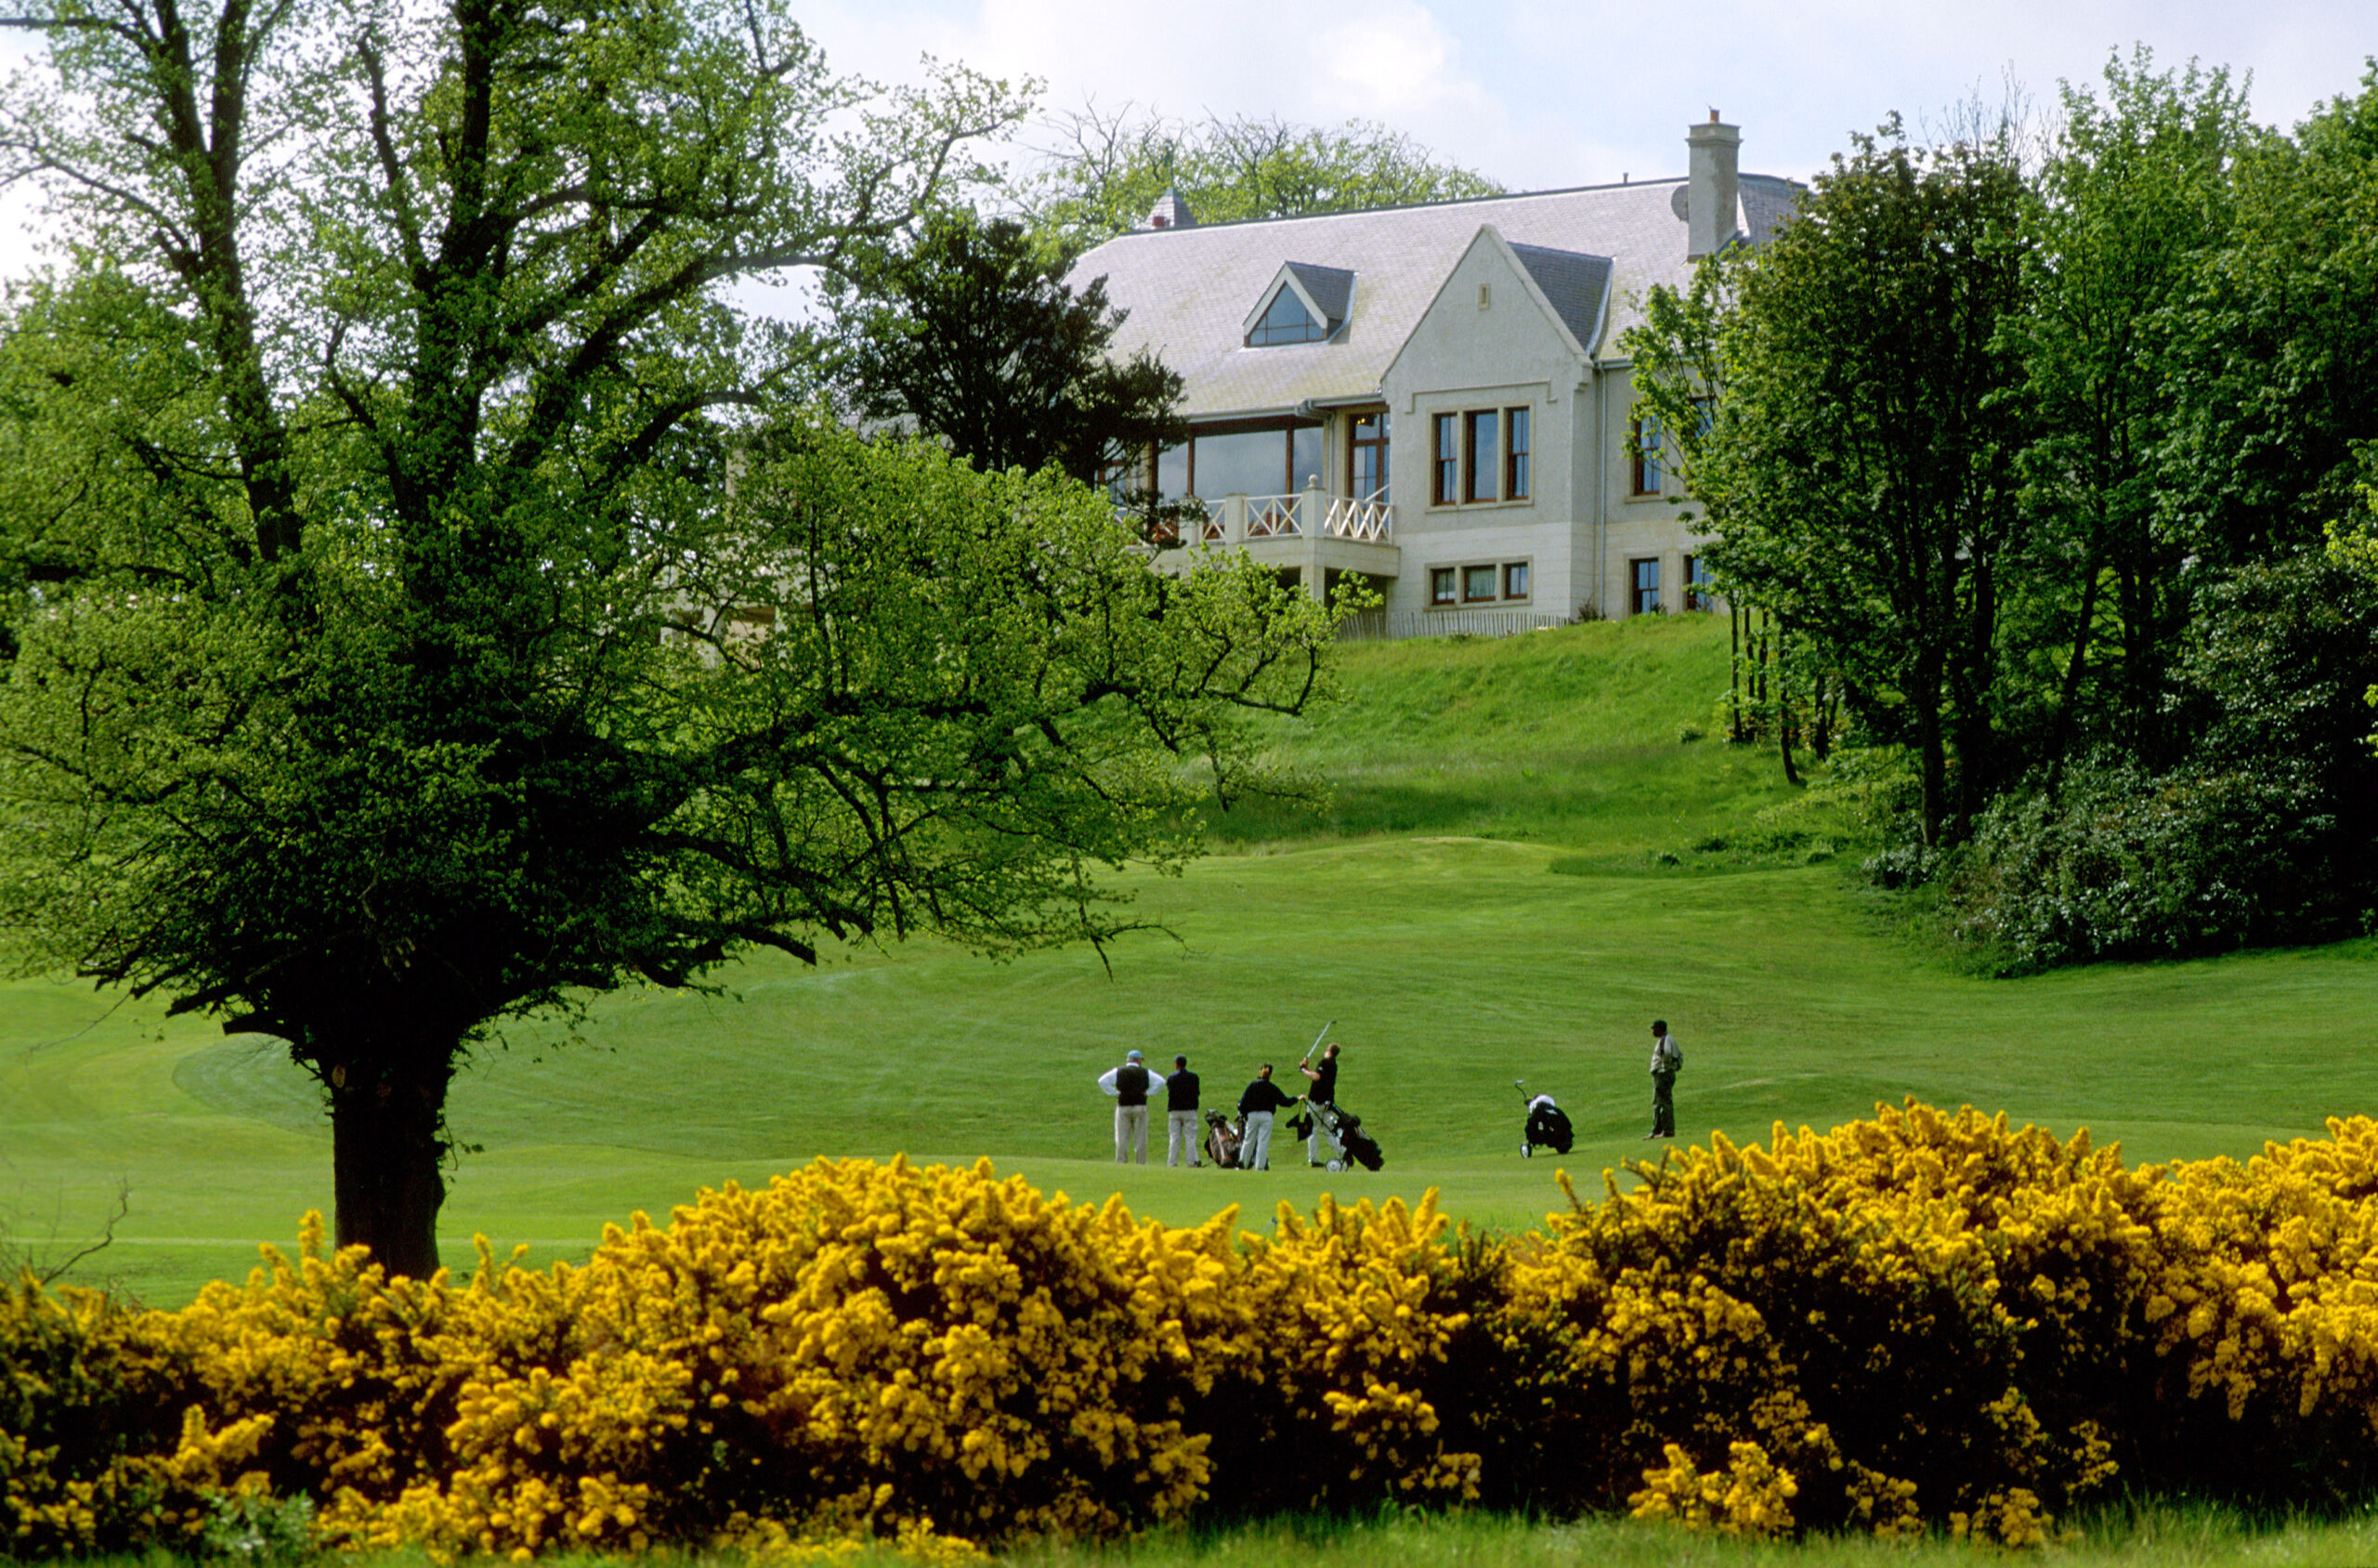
[1710, 191]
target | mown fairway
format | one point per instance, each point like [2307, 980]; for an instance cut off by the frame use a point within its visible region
[1482, 902]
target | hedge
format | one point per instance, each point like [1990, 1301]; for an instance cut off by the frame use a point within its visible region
[1921, 1322]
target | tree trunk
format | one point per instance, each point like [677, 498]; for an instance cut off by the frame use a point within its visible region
[1735, 614]
[2061, 736]
[387, 1157]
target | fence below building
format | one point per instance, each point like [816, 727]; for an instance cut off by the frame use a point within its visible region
[1388, 626]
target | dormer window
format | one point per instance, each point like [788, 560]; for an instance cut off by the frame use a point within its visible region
[1305, 304]
[1286, 322]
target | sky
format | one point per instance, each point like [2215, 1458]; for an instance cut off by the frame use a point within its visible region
[1541, 94]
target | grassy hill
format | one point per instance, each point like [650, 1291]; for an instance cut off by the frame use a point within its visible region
[1484, 900]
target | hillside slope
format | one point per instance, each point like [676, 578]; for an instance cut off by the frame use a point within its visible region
[1594, 738]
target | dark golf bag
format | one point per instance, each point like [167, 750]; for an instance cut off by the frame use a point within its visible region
[1346, 1128]
[1222, 1137]
[1547, 1127]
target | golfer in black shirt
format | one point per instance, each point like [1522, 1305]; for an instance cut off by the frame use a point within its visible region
[1263, 1098]
[1180, 1114]
[1323, 1092]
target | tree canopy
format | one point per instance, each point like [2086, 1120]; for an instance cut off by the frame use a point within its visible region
[425, 611]
[970, 332]
[2058, 470]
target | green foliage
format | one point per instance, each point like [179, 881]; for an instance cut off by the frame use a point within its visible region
[2118, 862]
[1859, 466]
[252, 1527]
[438, 618]
[2051, 488]
[2277, 372]
[2260, 835]
[1102, 171]
[970, 333]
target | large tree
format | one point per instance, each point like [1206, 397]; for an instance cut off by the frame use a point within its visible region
[2135, 201]
[410, 636]
[2275, 367]
[1860, 466]
[970, 332]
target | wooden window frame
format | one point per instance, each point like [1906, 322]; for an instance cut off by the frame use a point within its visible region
[1444, 460]
[1635, 586]
[1494, 583]
[1519, 454]
[1472, 469]
[1452, 580]
[1650, 476]
[1527, 572]
[1354, 445]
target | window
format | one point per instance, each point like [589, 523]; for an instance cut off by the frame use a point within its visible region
[1481, 582]
[1649, 475]
[1478, 454]
[1286, 321]
[1645, 599]
[1367, 460]
[1493, 460]
[1265, 459]
[1696, 583]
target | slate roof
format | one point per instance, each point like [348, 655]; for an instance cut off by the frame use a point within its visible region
[1188, 291]
[1330, 287]
[1574, 282]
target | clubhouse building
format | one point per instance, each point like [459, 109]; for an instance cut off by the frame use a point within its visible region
[1433, 395]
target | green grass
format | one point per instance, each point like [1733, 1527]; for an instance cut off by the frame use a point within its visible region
[1527, 938]
[2123, 1536]
[2165, 1536]
[1567, 736]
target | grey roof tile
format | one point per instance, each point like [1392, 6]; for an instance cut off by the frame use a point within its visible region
[1331, 287]
[1576, 284]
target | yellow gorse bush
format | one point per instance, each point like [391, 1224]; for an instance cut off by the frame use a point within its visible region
[1925, 1320]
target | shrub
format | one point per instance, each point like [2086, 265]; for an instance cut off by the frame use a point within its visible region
[2122, 863]
[1919, 1320]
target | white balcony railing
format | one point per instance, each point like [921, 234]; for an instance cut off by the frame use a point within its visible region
[1306, 513]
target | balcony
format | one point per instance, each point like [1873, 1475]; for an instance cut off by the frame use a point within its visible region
[1307, 530]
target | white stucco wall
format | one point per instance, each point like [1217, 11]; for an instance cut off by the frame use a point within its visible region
[1637, 527]
[1506, 352]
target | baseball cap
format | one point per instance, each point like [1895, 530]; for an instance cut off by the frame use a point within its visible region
[1131, 1056]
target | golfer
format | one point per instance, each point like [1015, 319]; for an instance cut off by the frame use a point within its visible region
[1256, 1106]
[1667, 1060]
[1180, 1114]
[1323, 1092]
[1128, 1084]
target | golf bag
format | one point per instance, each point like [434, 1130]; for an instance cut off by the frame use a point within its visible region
[1548, 1126]
[1346, 1129]
[1222, 1137]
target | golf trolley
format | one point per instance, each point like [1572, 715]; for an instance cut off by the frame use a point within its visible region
[1548, 1124]
[1344, 1130]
